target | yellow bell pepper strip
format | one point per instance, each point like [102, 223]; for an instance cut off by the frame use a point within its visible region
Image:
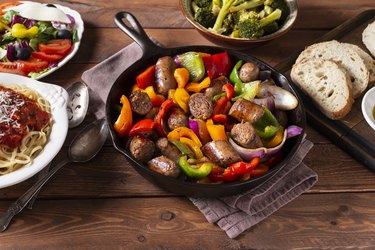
[193, 147]
[20, 31]
[217, 132]
[179, 132]
[125, 119]
[165, 106]
[156, 99]
[134, 88]
[267, 126]
[145, 125]
[234, 76]
[171, 93]
[198, 86]
[182, 98]
[181, 75]
[194, 171]
[275, 140]
[146, 78]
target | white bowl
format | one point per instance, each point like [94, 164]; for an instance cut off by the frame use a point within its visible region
[368, 105]
[58, 98]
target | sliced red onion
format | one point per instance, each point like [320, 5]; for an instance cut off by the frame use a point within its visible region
[11, 52]
[247, 153]
[177, 61]
[268, 102]
[19, 19]
[194, 125]
[65, 26]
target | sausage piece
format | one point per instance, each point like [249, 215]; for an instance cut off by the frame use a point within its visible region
[221, 153]
[246, 111]
[177, 118]
[200, 106]
[168, 149]
[246, 136]
[216, 87]
[141, 148]
[140, 102]
[164, 69]
[249, 72]
[165, 166]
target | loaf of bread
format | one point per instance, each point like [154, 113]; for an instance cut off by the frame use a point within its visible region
[345, 57]
[368, 37]
[367, 59]
[327, 83]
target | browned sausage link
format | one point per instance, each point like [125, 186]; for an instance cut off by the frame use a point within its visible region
[177, 118]
[221, 153]
[164, 70]
[216, 86]
[141, 148]
[200, 106]
[249, 72]
[246, 111]
[246, 136]
[165, 166]
[168, 149]
[140, 102]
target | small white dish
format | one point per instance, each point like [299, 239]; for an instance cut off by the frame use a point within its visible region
[58, 98]
[368, 105]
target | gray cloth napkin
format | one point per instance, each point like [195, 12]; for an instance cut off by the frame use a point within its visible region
[233, 214]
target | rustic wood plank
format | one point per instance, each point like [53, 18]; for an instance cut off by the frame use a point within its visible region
[328, 222]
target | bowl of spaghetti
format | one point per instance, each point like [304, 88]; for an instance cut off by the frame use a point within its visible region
[33, 126]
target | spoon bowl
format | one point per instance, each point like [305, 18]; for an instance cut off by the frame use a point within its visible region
[78, 103]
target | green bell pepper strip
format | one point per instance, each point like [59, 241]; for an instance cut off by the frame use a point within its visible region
[247, 90]
[194, 171]
[182, 147]
[267, 126]
[234, 77]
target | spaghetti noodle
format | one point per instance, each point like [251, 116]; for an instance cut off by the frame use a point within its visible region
[25, 124]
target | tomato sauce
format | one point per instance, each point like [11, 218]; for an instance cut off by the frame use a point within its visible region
[18, 114]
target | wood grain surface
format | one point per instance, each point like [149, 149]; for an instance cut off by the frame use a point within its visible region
[105, 204]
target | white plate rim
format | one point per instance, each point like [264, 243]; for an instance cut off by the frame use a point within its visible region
[368, 103]
[58, 98]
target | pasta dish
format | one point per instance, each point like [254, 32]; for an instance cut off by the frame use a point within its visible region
[25, 124]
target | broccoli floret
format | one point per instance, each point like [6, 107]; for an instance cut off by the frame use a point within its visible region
[270, 28]
[203, 16]
[228, 24]
[250, 26]
[203, 3]
[247, 5]
[283, 6]
[224, 10]
[216, 6]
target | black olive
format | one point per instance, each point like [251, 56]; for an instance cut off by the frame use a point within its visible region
[51, 5]
[23, 53]
[64, 34]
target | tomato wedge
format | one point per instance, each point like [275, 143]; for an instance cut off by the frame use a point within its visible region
[56, 46]
[11, 67]
[32, 65]
[47, 57]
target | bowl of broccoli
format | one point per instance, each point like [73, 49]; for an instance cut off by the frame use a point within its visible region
[240, 23]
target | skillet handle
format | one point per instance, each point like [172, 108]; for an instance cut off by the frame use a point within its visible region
[136, 32]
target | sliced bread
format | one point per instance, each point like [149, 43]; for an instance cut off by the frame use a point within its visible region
[327, 83]
[367, 59]
[345, 57]
[368, 37]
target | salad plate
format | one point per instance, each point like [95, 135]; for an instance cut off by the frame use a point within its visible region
[36, 12]
[58, 98]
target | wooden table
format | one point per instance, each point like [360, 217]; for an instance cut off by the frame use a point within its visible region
[105, 204]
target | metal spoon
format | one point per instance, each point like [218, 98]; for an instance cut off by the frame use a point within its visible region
[77, 108]
[83, 148]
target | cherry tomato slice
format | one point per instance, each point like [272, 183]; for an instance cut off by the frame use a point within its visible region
[47, 57]
[56, 46]
[32, 64]
[11, 67]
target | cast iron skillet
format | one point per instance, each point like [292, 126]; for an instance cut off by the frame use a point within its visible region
[151, 52]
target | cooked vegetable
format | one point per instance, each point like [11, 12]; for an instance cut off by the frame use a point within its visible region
[194, 171]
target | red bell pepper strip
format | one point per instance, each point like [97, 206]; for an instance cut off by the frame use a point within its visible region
[217, 65]
[219, 106]
[242, 168]
[229, 90]
[165, 106]
[220, 118]
[219, 174]
[144, 125]
[125, 119]
[259, 170]
[146, 78]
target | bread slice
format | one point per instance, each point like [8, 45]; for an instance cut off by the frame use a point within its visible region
[327, 84]
[367, 59]
[345, 57]
[368, 37]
